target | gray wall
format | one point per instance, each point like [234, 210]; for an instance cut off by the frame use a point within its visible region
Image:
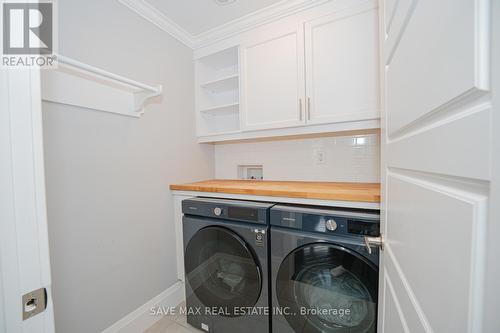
[109, 209]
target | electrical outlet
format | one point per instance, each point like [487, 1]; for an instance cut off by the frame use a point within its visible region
[319, 156]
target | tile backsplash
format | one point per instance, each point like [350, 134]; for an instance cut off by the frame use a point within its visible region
[341, 158]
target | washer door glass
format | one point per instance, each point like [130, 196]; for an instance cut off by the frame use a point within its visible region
[222, 270]
[328, 288]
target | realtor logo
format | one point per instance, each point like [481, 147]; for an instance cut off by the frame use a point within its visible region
[28, 34]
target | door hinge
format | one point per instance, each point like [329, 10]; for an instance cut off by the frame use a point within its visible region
[34, 302]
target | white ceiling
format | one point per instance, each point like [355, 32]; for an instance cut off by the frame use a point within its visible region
[197, 16]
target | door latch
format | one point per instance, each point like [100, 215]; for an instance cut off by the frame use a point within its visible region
[376, 241]
[34, 302]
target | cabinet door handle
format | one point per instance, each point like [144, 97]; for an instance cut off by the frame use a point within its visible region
[308, 108]
[300, 109]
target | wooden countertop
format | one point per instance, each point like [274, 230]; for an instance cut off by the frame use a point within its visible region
[363, 192]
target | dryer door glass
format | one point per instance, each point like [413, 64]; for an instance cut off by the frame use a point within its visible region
[222, 270]
[328, 288]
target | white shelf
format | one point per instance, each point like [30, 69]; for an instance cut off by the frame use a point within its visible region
[79, 84]
[222, 109]
[226, 83]
[217, 92]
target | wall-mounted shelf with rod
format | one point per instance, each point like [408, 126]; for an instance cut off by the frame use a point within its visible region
[79, 84]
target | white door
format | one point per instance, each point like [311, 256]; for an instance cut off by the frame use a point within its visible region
[272, 81]
[24, 251]
[436, 162]
[342, 65]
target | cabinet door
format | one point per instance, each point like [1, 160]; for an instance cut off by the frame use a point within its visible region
[273, 83]
[342, 80]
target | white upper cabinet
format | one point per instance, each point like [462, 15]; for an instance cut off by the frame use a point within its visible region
[342, 80]
[314, 71]
[272, 77]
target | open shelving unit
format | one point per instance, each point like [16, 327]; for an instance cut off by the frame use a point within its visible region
[217, 92]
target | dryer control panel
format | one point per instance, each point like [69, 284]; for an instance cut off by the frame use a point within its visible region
[339, 221]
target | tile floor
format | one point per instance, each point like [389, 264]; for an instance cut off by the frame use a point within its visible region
[172, 324]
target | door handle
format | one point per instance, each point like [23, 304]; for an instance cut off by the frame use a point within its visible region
[376, 241]
[300, 109]
[308, 108]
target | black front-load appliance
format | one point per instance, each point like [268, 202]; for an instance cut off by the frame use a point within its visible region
[226, 265]
[323, 278]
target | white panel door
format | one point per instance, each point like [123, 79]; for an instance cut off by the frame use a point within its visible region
[272, 81]
[24, 245]
[436, 164]
[342, 65]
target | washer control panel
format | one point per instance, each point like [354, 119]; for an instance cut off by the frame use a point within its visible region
[227, 209]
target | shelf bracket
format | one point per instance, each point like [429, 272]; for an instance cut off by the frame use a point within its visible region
[142, 98]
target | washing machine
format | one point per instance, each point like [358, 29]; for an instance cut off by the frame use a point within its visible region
[324, 277]
[226, 265]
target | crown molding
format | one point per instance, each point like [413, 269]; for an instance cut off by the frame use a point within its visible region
[253, 20]
[153, 15]
[262, 16]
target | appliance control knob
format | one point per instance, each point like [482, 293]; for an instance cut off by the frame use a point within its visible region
[331, 225]
[217, 211]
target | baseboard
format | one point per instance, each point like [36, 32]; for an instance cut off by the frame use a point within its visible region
[140, 319]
